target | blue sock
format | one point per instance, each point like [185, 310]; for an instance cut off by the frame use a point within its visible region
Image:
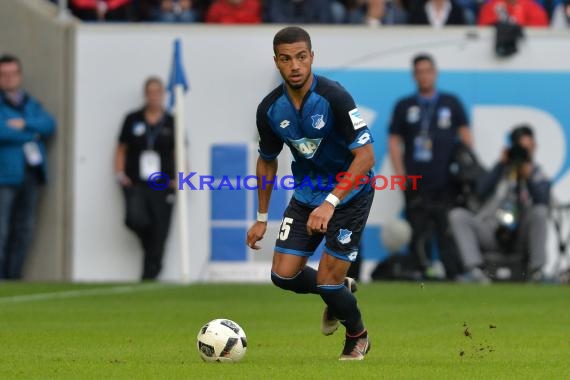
[342, 304]
[303, 282]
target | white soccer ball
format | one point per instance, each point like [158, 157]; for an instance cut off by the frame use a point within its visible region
[395, 234]
[221, 340]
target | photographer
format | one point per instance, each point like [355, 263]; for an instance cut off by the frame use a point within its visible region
[516, 195]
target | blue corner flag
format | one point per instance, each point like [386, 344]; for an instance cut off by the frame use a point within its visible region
[177, 75]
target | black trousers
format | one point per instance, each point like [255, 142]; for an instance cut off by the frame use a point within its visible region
[148, 214]
[427, 214]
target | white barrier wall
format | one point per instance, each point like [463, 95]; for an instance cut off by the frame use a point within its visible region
[230, 69]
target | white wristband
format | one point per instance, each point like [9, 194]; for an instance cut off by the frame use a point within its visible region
[332, 199]
[261, 217]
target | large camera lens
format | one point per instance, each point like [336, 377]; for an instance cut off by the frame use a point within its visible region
[518, 155]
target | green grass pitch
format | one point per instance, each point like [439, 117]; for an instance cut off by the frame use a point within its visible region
[436, 331]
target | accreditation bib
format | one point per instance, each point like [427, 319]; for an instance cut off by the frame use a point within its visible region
[32, 153]
[149, 163]
[422, 149]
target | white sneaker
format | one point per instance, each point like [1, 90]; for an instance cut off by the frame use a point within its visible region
[436, 271]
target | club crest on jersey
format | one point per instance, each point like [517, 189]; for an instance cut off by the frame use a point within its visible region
[318, 121]
[444, 118]
[413, 114]
[139, 129]
[307, 147]
[344, 236]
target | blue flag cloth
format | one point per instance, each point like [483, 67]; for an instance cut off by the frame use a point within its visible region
[177, 75]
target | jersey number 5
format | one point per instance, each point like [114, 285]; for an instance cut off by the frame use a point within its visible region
[285, 228]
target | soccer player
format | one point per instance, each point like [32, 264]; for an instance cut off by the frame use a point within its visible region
[333, 159]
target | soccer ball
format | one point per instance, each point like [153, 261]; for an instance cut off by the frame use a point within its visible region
[395, 234]
[221, 340]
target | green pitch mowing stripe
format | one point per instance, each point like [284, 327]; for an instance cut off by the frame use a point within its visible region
[439, 331]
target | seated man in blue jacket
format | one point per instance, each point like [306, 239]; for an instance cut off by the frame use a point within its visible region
[513, 217]
[24, 126]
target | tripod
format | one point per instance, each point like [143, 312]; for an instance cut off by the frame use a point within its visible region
[560, 215]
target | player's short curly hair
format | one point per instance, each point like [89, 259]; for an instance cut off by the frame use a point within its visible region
[290, 35]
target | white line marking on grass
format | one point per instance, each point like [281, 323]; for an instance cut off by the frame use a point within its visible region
[123, 289]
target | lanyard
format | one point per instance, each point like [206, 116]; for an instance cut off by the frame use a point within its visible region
[427, 109]
[152, 133]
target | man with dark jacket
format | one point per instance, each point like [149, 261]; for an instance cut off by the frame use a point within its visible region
[514, 215]
[424, 132]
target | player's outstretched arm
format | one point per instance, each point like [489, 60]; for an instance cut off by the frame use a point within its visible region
[265, 171]
[357, 172]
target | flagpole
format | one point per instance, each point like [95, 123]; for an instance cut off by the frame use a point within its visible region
[177, 85]
[182, 198]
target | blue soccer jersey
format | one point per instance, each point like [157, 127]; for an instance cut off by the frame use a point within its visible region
[321, 136]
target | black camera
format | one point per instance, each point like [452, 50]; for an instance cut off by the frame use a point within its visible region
[518, 155]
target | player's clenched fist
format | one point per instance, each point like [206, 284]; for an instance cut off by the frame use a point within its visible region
[319, 218]
[255, 234]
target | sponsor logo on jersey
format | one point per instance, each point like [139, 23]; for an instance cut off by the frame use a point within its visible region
[352, 255]
[318, 121]
[285, 124]
[344, 236]
[307, 147]
[356, 119]
[363, 138]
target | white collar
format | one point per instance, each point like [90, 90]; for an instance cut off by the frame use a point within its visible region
[437, 20]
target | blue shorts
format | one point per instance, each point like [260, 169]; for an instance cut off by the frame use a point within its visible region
[343, 233]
